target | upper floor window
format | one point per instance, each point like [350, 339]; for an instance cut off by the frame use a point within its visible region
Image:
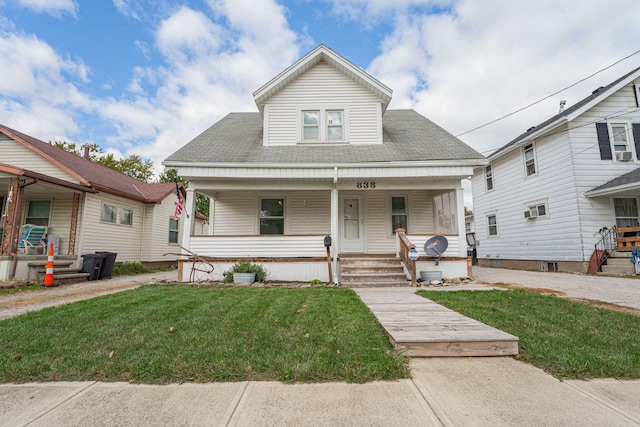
[319, 124]
[488, 176]
[529, 159]
[621, 142]
[38, 212]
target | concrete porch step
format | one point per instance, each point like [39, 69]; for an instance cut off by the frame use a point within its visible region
[619, 270]
[374, 269]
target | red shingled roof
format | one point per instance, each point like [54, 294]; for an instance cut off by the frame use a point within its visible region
[92, 174]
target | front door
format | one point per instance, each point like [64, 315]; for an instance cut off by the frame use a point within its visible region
[351, 225]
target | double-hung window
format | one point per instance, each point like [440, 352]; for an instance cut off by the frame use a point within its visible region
[272, 216]
[173, 230]
[488, 175]
[620, 137]
[398, 213]
[492, 224]
[529, 159]
[626, 211]
[322, 125]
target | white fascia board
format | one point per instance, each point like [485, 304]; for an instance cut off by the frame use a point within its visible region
[634, 186]
[604, 95]
[461, 162]
[538, 133]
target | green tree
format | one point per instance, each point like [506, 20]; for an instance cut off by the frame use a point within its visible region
[133, 166]
[467, 211]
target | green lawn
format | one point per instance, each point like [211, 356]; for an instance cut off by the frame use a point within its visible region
[565, 338]
[173, 334]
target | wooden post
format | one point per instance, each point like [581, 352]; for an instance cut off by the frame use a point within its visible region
[329, 263]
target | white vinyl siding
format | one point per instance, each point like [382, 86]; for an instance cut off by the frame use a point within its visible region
[16, 154]
[98, 235]
[568, 164]
[325, 86]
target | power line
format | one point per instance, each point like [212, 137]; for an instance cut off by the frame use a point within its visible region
[547, 97]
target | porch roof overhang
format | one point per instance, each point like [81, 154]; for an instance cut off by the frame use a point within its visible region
[627, 184]
[426, 169]
[16, 171]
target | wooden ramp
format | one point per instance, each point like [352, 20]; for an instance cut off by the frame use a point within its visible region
[423, 328]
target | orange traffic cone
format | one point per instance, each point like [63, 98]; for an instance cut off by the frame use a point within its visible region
[48, 276]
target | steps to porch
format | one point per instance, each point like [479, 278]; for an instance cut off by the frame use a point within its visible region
[63, 273]
[357, 271]
[618, 264]
[422, 328]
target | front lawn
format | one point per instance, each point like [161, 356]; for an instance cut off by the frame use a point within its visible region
[565, 338]
[177, 333]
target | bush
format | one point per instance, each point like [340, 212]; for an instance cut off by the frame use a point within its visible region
[247, 267]
[129, 268]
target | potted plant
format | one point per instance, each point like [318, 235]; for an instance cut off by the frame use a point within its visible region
[246, 272]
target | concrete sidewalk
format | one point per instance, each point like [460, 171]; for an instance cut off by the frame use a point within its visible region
[443, 392]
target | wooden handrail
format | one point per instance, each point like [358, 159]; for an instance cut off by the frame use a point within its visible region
[629, 243]
[403, 251]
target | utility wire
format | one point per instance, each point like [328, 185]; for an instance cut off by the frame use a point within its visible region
[547, 97]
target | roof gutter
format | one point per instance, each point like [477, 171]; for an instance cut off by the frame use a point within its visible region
[407, 164]
[612, 190]
[45, 178]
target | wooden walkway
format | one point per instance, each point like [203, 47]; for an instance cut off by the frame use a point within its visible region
[422, 328]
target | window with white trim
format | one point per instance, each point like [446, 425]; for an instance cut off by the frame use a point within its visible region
[488, 176]
[108, 213]
[272, 216]
[173, 230]
[323, 124]
[529, 159]
[492, 225]
[537, 210]
[398, 213]
[626, 211]
[38, 212]
[619, 135]
[126, 216]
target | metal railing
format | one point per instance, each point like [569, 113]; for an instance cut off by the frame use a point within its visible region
[605, 246]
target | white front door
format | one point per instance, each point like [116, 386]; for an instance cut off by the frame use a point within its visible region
[351, 224]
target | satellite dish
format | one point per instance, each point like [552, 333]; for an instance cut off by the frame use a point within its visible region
[435, 247]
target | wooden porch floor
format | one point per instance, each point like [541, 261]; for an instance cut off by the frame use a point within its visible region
[423, 328]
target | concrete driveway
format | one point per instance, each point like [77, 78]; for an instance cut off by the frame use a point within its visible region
[620, 291]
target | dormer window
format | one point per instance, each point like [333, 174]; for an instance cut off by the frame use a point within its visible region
[323, 125]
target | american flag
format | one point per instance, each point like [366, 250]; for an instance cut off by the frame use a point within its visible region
[179, 203]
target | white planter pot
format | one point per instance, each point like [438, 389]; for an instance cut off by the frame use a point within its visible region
[244, 278]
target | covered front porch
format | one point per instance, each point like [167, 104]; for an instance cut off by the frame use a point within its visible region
[51, 205]
[283, 223]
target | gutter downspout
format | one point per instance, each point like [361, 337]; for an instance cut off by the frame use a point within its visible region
[335, 224]
[16, 215]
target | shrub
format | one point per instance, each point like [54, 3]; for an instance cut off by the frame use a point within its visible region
[129, 268]
[247, 267]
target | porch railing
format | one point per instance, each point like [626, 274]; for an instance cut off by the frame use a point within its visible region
[604, 248]
[628, 238]
[404, 246]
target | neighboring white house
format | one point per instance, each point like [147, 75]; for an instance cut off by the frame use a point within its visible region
[86, 206]
[543, 198]
[322, 156]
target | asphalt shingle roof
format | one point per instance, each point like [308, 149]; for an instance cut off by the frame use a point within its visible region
[632, 177]
[97, 176]
[408, 136]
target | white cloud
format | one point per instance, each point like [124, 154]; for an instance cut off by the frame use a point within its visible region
[52, 7]
[486, 59]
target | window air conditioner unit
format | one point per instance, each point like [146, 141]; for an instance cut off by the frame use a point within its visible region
[623, 156]
[531, 214]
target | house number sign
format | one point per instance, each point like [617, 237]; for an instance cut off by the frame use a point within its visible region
[366, 184]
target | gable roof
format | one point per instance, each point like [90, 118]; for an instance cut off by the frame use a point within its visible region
[93, 175]
[408, 136]
[568, 114]
[321, 54]
[628, 181]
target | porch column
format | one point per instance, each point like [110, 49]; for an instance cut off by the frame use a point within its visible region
[461, 230]
[212, 214]
[335, 218]
[189, 208]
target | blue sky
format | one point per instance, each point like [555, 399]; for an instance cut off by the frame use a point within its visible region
[144, 77]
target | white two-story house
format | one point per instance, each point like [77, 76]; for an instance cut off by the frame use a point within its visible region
[545, 198]
[323, 156]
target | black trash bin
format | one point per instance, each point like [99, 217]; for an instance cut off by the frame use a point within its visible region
[92, 264]
[107, 264]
